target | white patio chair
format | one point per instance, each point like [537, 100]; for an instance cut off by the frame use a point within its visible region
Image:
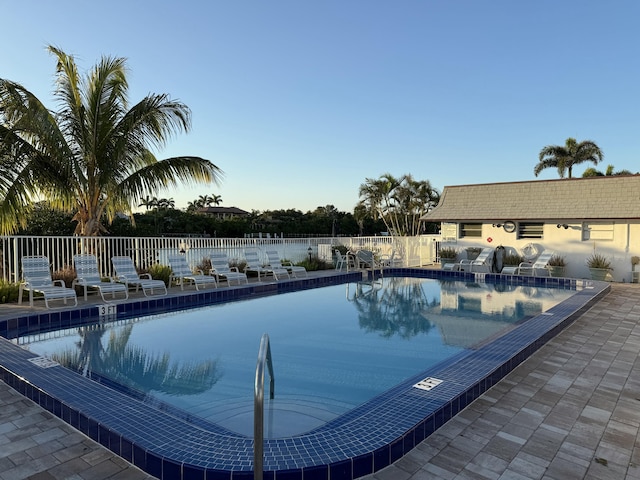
[537, 268]
[126, 273]
[220, 268]
[482, 263]
[181, 271]
[254, 264]
[37, 278]
[274, 262]
[88, 276]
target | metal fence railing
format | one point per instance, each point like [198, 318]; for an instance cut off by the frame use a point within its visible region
[146, 251]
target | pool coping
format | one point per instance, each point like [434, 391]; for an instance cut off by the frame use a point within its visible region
[360, 442]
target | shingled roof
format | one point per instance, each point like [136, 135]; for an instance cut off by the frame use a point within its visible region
[612, 197]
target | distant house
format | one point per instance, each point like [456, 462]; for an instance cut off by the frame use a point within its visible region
[573, 217]
[223, 213]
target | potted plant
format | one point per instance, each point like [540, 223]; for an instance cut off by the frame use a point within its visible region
[599, 266]
[473, 252]
[512, 259]
[448, 255]
[557, 265]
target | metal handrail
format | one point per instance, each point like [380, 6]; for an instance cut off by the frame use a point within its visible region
[264, 356]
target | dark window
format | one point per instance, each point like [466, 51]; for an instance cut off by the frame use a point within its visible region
[470, 230]
[530, 230]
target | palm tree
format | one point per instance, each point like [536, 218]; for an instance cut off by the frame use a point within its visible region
[204, 200]
[216, 199]
[565, 157]
[592, 172]
[149, 202]
[93, 156]
[166, 203]
[399, 202]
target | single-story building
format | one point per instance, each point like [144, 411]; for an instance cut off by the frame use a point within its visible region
[573, 217]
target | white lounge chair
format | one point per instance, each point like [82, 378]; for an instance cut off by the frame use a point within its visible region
[37, 278]
[539, 268]
[482, 263]
[391, 260]
[254, 264]
[126, 273]
[274, 262]
[366, 259]
[181, 271]
[88, 275]
[220, 268]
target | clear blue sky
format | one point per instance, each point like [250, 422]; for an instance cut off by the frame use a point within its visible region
[300, 101]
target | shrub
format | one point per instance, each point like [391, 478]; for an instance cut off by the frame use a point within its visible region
[512, 259]
[448, 252]
[66, 274]
[9, 291]
[315, 264]
[161, 272]
[599, 261]
[557, 261]
[204, 265]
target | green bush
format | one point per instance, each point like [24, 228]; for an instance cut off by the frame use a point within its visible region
[161, 272]
[315, 264]
[9, 292]
[599, 261]
[512, 259]
[204, 266]
[448, 252]
[66, 274]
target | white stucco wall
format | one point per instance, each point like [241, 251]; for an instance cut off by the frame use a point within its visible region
[621, 243]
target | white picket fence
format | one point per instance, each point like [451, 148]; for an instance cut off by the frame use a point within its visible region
[146, 251]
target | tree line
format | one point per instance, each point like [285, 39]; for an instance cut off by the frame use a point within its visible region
[92, 163]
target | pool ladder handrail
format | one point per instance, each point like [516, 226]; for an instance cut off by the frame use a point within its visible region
[264, 357]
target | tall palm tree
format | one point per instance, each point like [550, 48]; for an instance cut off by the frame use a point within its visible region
[204, 200]
[399, 202]
[149, 202]
[565, 157]
[166, 203]
[93, 156]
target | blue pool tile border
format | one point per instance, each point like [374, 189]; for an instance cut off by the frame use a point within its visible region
[360, 442]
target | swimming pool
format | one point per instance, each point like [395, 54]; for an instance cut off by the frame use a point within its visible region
[334, 348]
[358, 442]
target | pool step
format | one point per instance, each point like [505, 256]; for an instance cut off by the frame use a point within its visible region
[284, 416]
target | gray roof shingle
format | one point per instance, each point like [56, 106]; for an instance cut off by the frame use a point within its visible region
[611, 197]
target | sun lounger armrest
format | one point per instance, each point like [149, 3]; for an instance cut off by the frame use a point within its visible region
[59, 282]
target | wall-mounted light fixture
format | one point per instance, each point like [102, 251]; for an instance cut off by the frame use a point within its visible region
[562, 225]
[507, 225]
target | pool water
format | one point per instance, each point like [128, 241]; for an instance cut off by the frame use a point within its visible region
[333, 348]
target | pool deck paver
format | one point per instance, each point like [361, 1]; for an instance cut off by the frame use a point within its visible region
[570, 411]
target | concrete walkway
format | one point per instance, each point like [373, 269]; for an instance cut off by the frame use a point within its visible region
[571, 411]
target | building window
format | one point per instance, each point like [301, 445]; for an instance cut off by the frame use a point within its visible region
[530, 230]
[470, 230]
[597, 231]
